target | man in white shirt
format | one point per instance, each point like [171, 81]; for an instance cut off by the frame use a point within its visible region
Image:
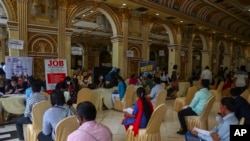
[206, 74]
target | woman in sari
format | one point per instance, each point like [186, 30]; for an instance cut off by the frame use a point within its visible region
[141, 112]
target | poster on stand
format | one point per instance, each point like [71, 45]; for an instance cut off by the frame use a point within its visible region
[18, 66]
[55, 71]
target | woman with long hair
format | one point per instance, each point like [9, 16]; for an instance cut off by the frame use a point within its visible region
[140, 114]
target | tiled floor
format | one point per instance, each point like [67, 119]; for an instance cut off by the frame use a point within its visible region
[168, 129]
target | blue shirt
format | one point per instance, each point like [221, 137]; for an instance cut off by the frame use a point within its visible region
[51, 118]
[154, 91]
[222, 129]
[121, 89]
[28, 93]
[200, 100]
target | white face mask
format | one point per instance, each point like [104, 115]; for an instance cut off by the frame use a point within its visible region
[218, 118]
[68, 82]
[78, 121]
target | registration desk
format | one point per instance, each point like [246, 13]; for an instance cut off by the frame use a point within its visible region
[104, 95]
[13, 104]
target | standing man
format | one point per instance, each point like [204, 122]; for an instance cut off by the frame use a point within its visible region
[241, 78]
[89, 129]
[207, 74]
[27, 119]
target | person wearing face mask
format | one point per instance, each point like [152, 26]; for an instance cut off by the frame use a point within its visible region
[220, 132]
[89, 129]
[53, 116]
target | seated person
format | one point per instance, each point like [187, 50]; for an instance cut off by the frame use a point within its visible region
[13, 88]
[53, 115]
[121, 90]
[141, 114]
[100, 82]
[196, 106]
[28, 91]
[89, 129]
[155, 90]
[220, 132]
[133, 80]
[35, 97]
[242, 107]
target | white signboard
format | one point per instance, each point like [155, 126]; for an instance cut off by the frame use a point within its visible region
[161, 53]
[55, 71]
[15, 44]
[76, 50]
[198, 57]
[17, 66]
[130, 53]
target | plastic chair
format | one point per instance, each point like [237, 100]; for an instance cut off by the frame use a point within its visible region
[160, 98]
[245, 94]
[242, 121]
[182, 101]
[201, 121]
[37, 112]
[152, 131]
[127, 100]
[65, 127]
[85, 94]
[218, 92]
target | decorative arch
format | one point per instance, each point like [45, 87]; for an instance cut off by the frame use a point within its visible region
[103, 8]
[38, 39]
[203, 40]
[169, 28]
[10, 6]
[136, 49]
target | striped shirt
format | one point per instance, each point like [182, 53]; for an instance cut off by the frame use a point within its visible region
[34, 98]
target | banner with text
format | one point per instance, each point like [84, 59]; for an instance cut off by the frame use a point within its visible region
[55, 71]
[18, 66]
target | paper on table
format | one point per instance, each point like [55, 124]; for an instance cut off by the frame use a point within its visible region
[201, 131]
[128, 110]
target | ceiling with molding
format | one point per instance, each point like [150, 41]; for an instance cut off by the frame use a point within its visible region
[227, 18]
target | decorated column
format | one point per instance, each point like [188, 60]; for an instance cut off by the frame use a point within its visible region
[22, 19]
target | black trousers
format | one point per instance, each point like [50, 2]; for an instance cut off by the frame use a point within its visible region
[181, 115]
[42, 137]
[19, 126]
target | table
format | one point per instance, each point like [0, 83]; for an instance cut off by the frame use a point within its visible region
[13, 104]
[104, 96]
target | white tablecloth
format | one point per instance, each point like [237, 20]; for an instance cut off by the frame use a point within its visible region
[13, 104]
[104, 94]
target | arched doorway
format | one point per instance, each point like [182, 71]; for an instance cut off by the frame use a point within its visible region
[160, 40]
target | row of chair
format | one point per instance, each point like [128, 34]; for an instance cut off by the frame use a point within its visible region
[63, 128]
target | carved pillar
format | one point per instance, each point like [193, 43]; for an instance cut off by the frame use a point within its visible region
[62, 33]
[172, 57]
[22, 19]
[125, 31]
[68, 50]
[205, 59]
[3, 44]
[210, 47]
[145, 37]
[13, 34]
[227, 60]
[119, 56]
